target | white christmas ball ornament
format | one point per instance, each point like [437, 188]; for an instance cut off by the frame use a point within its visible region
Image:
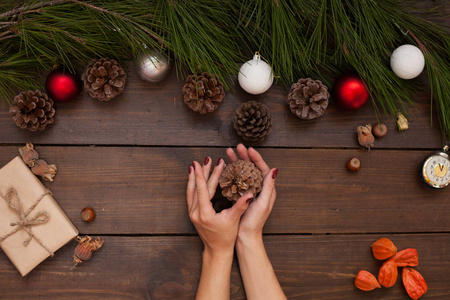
[255, 76]
[407, 61]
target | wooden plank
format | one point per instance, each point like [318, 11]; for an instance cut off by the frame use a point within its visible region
[137, 190]
[154, 114]
[308, 267]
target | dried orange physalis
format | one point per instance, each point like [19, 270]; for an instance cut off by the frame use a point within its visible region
[414, 283]
[407, 258]
[383, 249]
[366, 281]
[387, 276]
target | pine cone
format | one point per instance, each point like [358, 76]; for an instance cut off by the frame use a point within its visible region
[240, 178]
[32, 110]
[209, 90]
[308, 98]
[252, 121]
[104, 79]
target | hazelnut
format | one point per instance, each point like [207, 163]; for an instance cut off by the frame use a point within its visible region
[354, 164]
[379, 130]
[87, 214]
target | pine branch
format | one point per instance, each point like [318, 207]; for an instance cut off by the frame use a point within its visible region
[360, 44]
[198, 41]
[27, 7]
[105, 11]
[63, 33]
[434, 42]
[301, 38]
[440, 86]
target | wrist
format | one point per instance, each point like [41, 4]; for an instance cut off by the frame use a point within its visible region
[215, 276]
[253, 241]
[216, 254]
[249, 237]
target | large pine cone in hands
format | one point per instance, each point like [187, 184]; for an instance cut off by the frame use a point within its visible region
[32, 110]
[104, 79]
[203, 92]
[308, 98]
[240, 178]
[252, 121]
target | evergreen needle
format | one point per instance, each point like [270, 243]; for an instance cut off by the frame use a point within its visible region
[319, 39]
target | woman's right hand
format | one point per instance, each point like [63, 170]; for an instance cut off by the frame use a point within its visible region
[254, 218]
[260, 280]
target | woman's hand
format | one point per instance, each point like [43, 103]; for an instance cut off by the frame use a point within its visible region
[254, 218]
[218, 231]
[257, 273]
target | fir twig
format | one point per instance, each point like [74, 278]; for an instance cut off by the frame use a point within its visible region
[301, 38]
[201, 36]
[105, 11]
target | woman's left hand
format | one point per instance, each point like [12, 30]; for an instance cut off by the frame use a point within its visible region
[218, 231]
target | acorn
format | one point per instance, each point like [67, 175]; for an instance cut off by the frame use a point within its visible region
[354, 164]
[379, 130]
[28, 154]
[87, 214]
[86, 246]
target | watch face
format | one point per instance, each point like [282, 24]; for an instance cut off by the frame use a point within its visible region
[436, 171]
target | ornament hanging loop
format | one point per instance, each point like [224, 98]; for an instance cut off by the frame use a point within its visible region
[258, 56]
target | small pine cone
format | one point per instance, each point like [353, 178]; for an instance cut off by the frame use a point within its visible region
[104, 79]
[308, 98]
[252, 121]
[240, 178]
[32, 110]
[208, 94]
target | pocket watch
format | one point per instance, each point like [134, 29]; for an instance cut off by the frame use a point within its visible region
[436, 169]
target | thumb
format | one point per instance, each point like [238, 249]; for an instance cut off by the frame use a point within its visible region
[241, 205]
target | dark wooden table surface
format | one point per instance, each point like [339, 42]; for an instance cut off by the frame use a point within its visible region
[128, 159]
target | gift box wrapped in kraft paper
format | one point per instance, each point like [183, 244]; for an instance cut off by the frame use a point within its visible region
[32, 225]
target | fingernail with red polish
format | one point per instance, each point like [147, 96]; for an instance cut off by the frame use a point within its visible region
[275, 173]
[218, 161]
[250, 200]
[190, 169]
[206, 160]
[193, 165]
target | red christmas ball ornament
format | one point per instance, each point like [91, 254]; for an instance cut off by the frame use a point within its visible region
[62, 86]
[349, 91]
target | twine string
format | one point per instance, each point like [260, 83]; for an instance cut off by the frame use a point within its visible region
[13, 200]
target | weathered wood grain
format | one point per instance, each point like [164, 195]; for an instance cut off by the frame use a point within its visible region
[155, 114]
[308, 267]
[141, 190]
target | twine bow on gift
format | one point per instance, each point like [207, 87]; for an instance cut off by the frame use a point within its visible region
[13, 200]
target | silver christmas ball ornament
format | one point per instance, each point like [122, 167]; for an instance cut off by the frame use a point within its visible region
[152, 66]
